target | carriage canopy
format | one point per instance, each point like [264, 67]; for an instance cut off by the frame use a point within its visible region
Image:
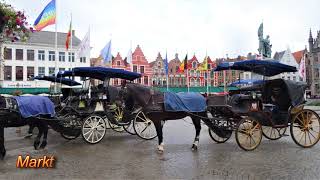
[292, 90]
[262, 67]
[100, 73]
[61, 80]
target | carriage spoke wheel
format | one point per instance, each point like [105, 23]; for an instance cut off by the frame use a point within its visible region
[248, 134]
[273, 133]
[129, 128]
[219, 139]
[144, 127]
[305, 128]
[118, 115]
[93, 129]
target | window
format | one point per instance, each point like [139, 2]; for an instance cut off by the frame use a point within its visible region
[8, 73]
[141, 69]
[135, 68]
[52, 56]
[51, 71]
[116, 82]
[19, 54]
[83, 59]
[118, 63]
[30, 73]
[198, 73]
[146, 80]
[62, 69]
[30, 55]
[177, 68]
[209, 66]
[7, 53]
[294, 78]
[194, 64]
[41, 71]
[41, 55]
[62, 57]
[71, 57]
[19, 73]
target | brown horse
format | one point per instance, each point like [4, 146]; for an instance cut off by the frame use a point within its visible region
[153, 106]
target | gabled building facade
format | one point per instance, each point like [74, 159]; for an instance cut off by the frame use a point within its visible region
[286, 57]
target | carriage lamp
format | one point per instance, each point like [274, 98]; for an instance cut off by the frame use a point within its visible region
[254, 95]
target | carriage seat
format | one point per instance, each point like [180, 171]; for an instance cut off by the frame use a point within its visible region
[242, 104]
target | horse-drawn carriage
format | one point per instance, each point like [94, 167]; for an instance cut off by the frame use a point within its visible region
[266, 109]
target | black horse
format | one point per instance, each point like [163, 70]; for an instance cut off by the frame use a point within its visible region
[153, 106]
[10, 117]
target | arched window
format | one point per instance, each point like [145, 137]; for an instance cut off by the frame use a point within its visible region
[194, 64]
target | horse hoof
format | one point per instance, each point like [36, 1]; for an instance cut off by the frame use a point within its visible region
[160, 151]
[28, 136]
[194, 148]
[36, 145]
[43, 145]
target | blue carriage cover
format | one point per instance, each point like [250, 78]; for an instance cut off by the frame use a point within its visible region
[31, 106]
[61, 80]
[184, 101]
[262, 67]
[100, 73]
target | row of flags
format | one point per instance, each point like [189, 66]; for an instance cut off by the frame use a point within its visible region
[48, 17]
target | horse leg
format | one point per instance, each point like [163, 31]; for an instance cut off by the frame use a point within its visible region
[197, 126]
[2, 147]
[45, 134]
[158, 126]
[37, 140]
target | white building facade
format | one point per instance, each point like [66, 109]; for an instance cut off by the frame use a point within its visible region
[38, 56]
[286, 57]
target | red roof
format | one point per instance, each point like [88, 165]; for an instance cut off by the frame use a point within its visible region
[298, 55]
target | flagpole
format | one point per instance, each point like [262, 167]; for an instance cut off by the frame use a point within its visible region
[71, 36]
[56, 44]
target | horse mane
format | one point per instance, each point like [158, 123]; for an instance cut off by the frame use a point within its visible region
[140, 93]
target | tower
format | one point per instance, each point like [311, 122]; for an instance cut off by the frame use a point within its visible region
[310, 41]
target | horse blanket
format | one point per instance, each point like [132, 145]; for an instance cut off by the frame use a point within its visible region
[30, 106]
[183, 101]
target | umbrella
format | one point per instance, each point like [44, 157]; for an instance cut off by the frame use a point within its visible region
[262, 67]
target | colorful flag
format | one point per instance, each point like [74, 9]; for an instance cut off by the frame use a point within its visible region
[129, 57]
[69, 36]
[184, 64]
[204, 65]
[302, 68]
[47, 16]
[165, 62]
[84, 46]
[106, 53]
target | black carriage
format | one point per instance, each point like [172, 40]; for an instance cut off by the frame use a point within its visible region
[102, 101]
[265, 110]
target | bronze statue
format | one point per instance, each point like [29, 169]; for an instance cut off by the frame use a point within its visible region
[264, 44]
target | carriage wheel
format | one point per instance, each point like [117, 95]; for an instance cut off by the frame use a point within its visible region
[273, 133]
[248, 134]
[144, 127]
[130, 129]
[72, 128]
[305, 128]
[93, 129]
[219, 139]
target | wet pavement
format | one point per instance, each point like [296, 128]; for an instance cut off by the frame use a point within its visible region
[124, 156]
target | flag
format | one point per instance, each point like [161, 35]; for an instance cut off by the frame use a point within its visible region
[69, 36]
[84, 46]
[46, 17]
[165, 62]
[302, 68]
[129, 57]
[106, 53]
[204, 65]
[184, 64]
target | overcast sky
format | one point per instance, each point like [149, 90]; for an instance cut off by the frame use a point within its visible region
[219, 27]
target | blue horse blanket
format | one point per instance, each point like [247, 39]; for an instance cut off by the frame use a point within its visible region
[183, 101]
[30, 106]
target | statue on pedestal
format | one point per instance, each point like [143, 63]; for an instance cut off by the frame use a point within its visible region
[264, 44]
